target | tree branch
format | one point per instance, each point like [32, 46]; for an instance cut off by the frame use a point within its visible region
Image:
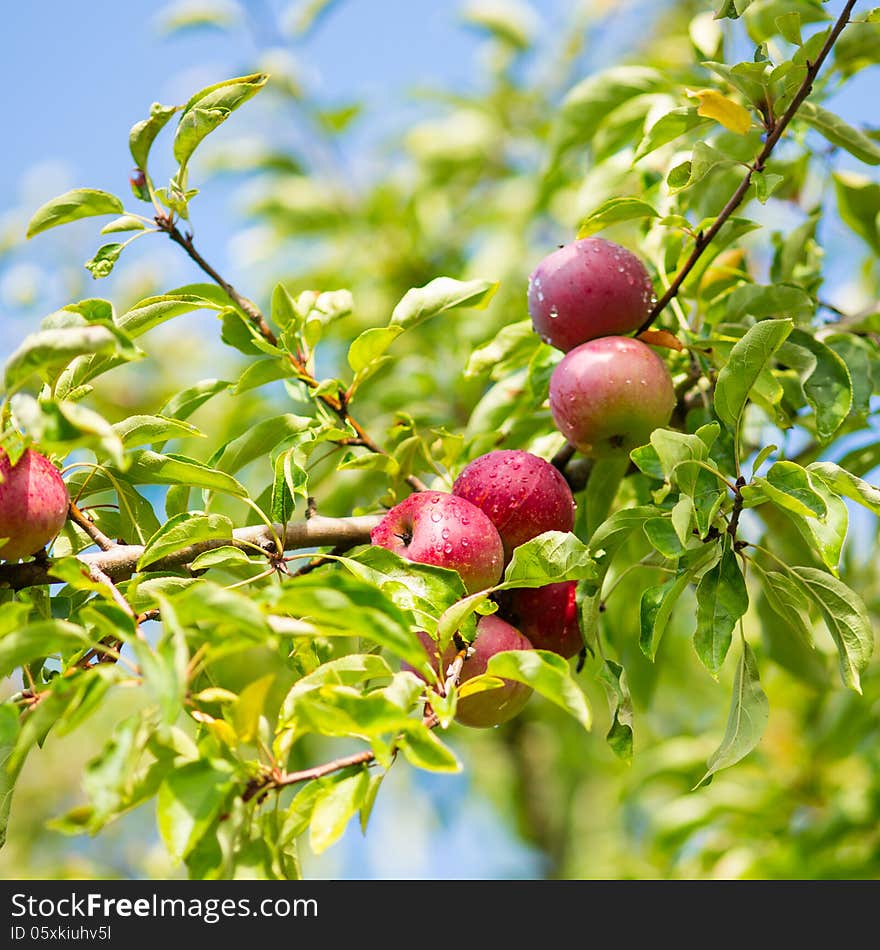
[78, 517]
[258, 321]
[705, 238]
[120, 563]
[276, 779]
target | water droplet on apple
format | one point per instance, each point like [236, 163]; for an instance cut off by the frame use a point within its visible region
[445, 534]
[554, 313]
[436, 516]
[464, 542]
[447, 549]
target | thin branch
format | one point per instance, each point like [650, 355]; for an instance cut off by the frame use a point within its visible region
[78, 517]
[337, 404]
[705, 238]
[98, 575]
[276, 779]
[120, 563]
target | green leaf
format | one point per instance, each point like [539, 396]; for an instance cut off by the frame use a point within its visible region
[248, 709]
[703, 160]
[656, 608]
[67, 425]
[548, 674]
[613, 211]
[826, 536]
[667, 128]
[587, 105]
[790, 602]
[344, 671]
[790, 486]
[333, 810]
[602, 487]
[210, 107]
[332, 710]
[181, 531]
[183, 404]
[10, 729]
[143, 133]
[858, 356]
[152, 311]
[847, 620]
[620, 736]
[514, 343]
[828, 388]
[151, 468]
[858, 202]
[614, 531]
[225, 557]
[128, 222]
[424, 589]
[71, 206]
[142, 430]
[33, 641]
[549, 558]
[747, 359]
[257, 441]
[370, 345]
[189, 802]
[840, 133]
[845, 483]
[101, 265]
[722, 598]
[747, 720]
[663, 537]
[352, 607]
[775, 300]
[424, 750]
[49, 350]
[453, 619]
[440, 295]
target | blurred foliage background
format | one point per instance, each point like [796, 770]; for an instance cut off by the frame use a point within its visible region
[396, 142]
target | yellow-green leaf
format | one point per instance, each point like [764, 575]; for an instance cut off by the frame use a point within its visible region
[728, 113]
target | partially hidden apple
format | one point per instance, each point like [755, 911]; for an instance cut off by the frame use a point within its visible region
[547, 616]
[522, 494]
[33, 504]
[607, 396]
[587, 289]
[494, 706]
[442, 529]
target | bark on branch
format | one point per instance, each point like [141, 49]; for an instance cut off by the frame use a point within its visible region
[120, 562]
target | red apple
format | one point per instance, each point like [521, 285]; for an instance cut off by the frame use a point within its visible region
[548, 616]
[33, 504]
[588, 289]
[522, 494]
[607, 396]
[494, 706]
[438, 528]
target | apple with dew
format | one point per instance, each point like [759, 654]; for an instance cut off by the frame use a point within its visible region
[547, 616]
[607, 396]
[445, 530]
[522, 494]
[33, 504]
[494, 706]
[588, 289]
